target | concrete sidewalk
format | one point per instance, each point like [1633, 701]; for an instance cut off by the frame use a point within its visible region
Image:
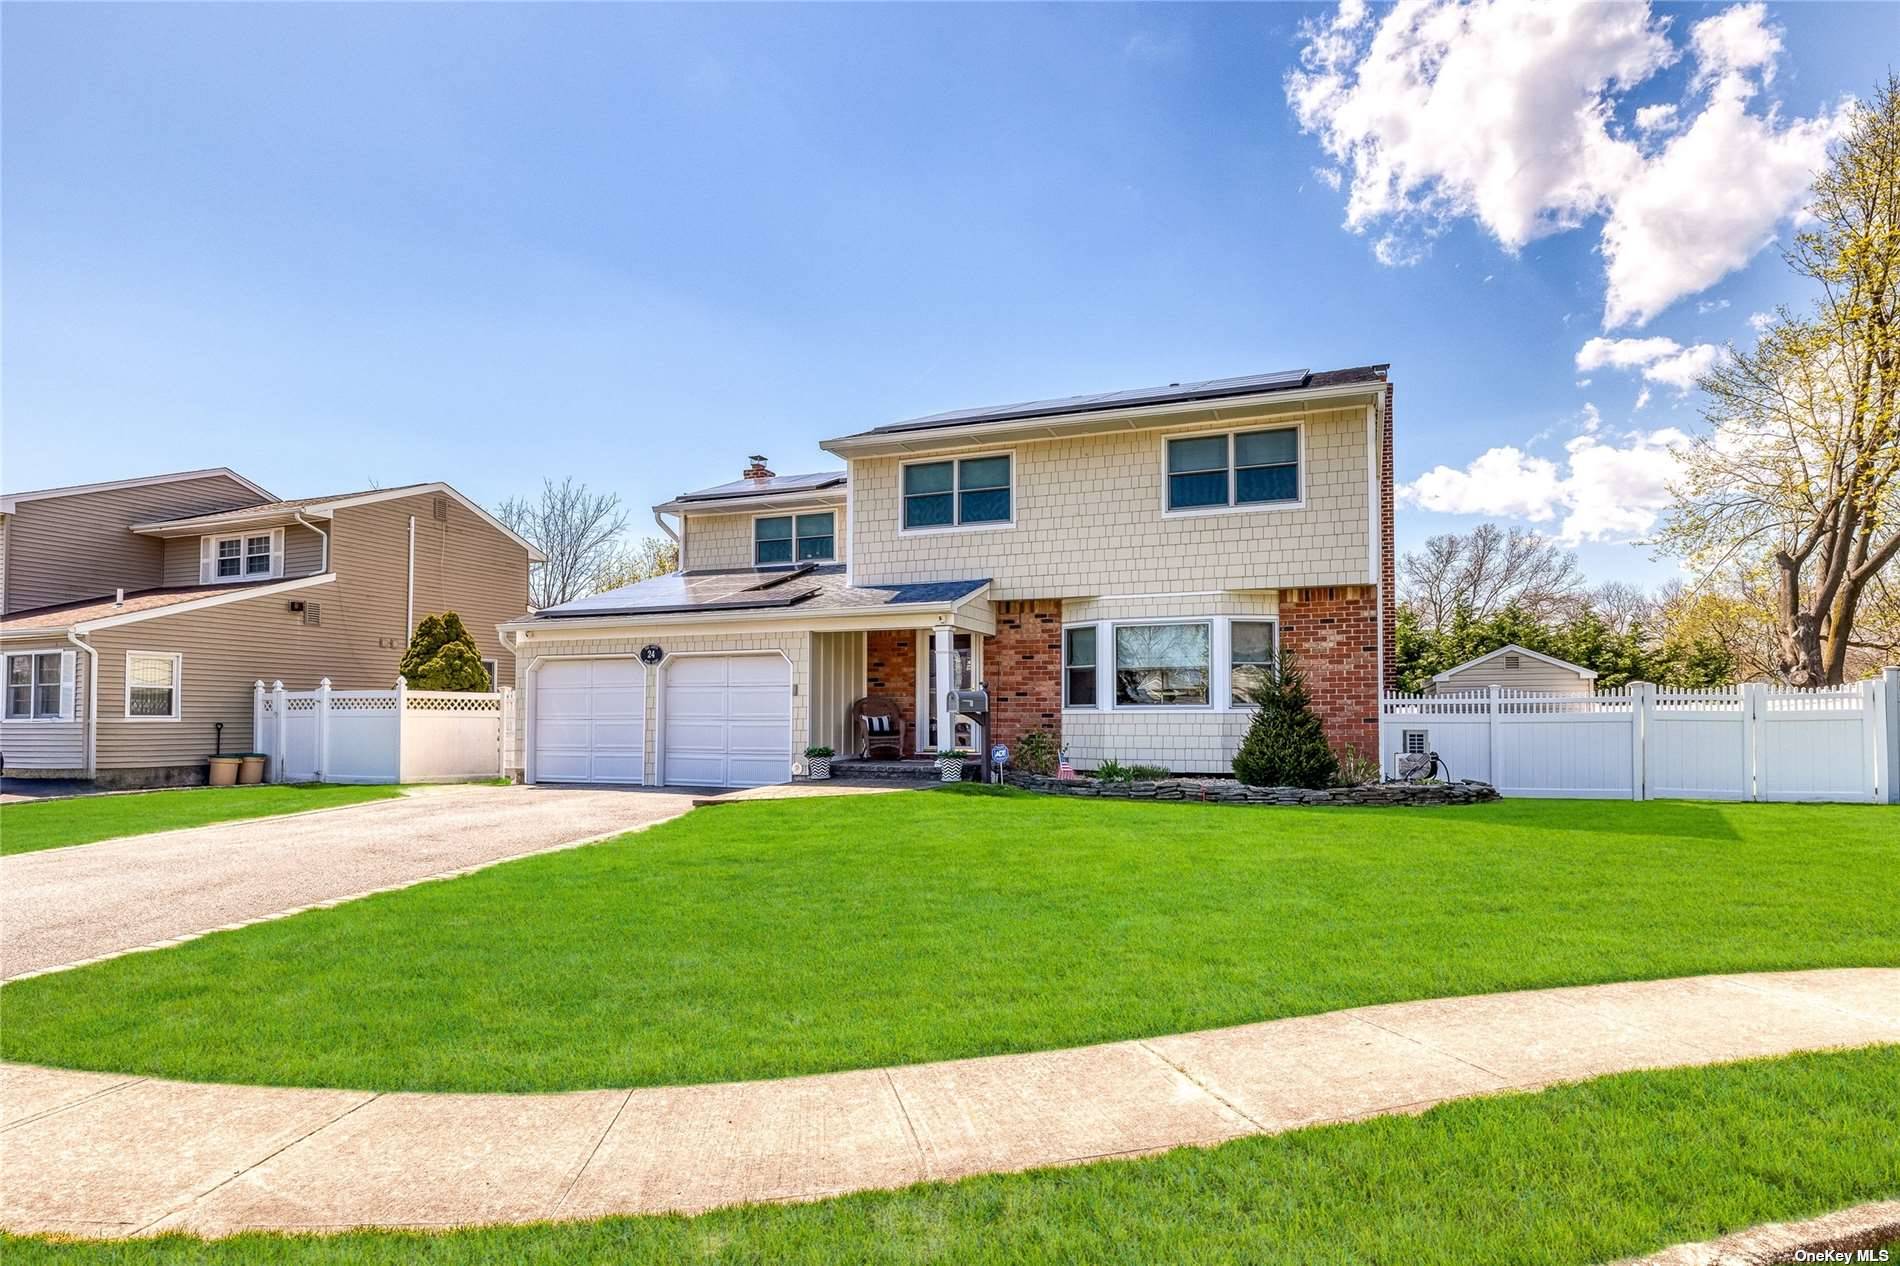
[100, 1155]
[62, 907]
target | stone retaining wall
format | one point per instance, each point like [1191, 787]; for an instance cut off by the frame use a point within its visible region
[1228, 791]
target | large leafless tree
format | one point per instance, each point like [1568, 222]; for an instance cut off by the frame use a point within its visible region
[1487, 569]
[1798, 477]
[577, 529]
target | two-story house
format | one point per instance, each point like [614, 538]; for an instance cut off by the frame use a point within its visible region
[1115, 568]
[136, 615]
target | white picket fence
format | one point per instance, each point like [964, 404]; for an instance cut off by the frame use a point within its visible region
[399, 735]
[1749, 742]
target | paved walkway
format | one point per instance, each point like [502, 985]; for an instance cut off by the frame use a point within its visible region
[100, 1155]
[65, 906]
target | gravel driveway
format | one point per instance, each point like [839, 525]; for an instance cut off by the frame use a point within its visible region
[63, 906]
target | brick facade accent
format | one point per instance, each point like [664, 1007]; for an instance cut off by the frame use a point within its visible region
[1333, 634]
[1022, 664]
[890, 668]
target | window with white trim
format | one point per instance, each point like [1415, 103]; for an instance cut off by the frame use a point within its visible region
[493, 670]
[965, 492]
[37, 686]
[152, 682]
[1240, 468]
[1162, 665]
[1078, 667]
[1251, 644]
[783, 539]
[242, 556]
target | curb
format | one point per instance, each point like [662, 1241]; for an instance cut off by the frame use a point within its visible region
[1837, 1236]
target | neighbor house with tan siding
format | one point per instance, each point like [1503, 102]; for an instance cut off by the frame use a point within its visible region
[1512, 667]
[1115, 568]
[139, 614]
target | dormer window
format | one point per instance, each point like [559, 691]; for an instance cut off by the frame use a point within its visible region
[244, 556]
[783, 539]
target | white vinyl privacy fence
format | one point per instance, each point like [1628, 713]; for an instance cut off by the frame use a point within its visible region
[1750, 742]
[399, 735]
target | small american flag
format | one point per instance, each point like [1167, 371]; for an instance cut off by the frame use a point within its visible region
[1065, 769]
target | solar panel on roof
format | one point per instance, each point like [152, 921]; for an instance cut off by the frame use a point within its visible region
[1209, 388]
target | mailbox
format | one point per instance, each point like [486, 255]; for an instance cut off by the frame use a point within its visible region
[969, 703]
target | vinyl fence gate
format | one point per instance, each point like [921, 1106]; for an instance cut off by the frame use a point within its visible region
[1749, 742]
[383, 736]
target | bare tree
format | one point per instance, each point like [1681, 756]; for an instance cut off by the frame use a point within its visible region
[1800, 470]
[1622, 606]
[1487, 570]
[575, 528]
[631, 562]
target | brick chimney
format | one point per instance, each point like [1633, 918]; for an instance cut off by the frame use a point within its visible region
[757, 469]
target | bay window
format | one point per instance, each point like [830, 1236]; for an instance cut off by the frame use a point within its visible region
[1251, 658]
[965, 492]
[1237, 469]
[1162, 665]
[1078, 667]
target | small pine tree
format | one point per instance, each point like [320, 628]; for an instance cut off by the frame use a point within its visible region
[443, 656]
[1285, 746]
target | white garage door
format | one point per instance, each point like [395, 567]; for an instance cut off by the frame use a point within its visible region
[728, 721]
[590, 720]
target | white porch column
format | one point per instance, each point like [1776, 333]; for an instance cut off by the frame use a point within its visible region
[943, 648]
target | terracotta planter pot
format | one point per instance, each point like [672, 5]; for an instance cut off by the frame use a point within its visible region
[251, 769]
[224, 771]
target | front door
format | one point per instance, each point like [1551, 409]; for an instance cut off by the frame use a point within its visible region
[964, 651]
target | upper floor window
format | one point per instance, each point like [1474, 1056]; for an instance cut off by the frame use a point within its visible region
[1243, 468]
[38, 686]
[787, 538]
[962, 493]
[247, 556]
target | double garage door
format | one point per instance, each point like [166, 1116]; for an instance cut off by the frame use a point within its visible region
[724, 721]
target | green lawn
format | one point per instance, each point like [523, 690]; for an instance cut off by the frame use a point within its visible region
[28, 827]
[777, 937]
[1583, 1173]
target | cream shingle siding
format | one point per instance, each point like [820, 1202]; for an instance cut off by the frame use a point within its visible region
[1185, 740]
[718, 542]
[795, 646]
[1089, 520]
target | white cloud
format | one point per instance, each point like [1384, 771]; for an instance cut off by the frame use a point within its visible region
[1657, 118]
[1710, 305]
[1507, 113]
[1328, 176]
[1606, 490]
[1397, 252]
[1759, 321]
[1735, 42]
[1156, 46]
[1659, 359]
[1642, 398]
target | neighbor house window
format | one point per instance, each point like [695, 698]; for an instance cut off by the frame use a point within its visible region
[1245, 468]
[1252, 657]
[1161, 665]
[965, 492]
[249, 556]
[493, 670]
[1078, 667]
[786, 538]
[151, 686]
[34, 686]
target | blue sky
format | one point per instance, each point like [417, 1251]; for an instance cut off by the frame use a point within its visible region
[340, 245]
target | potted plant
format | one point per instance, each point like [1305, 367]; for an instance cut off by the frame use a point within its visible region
[223, 771]
[250, 768]
[818, 763]
[950, 765]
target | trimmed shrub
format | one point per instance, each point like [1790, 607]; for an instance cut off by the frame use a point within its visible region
[1285, 746]
[1036, 753]
[443, 656]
